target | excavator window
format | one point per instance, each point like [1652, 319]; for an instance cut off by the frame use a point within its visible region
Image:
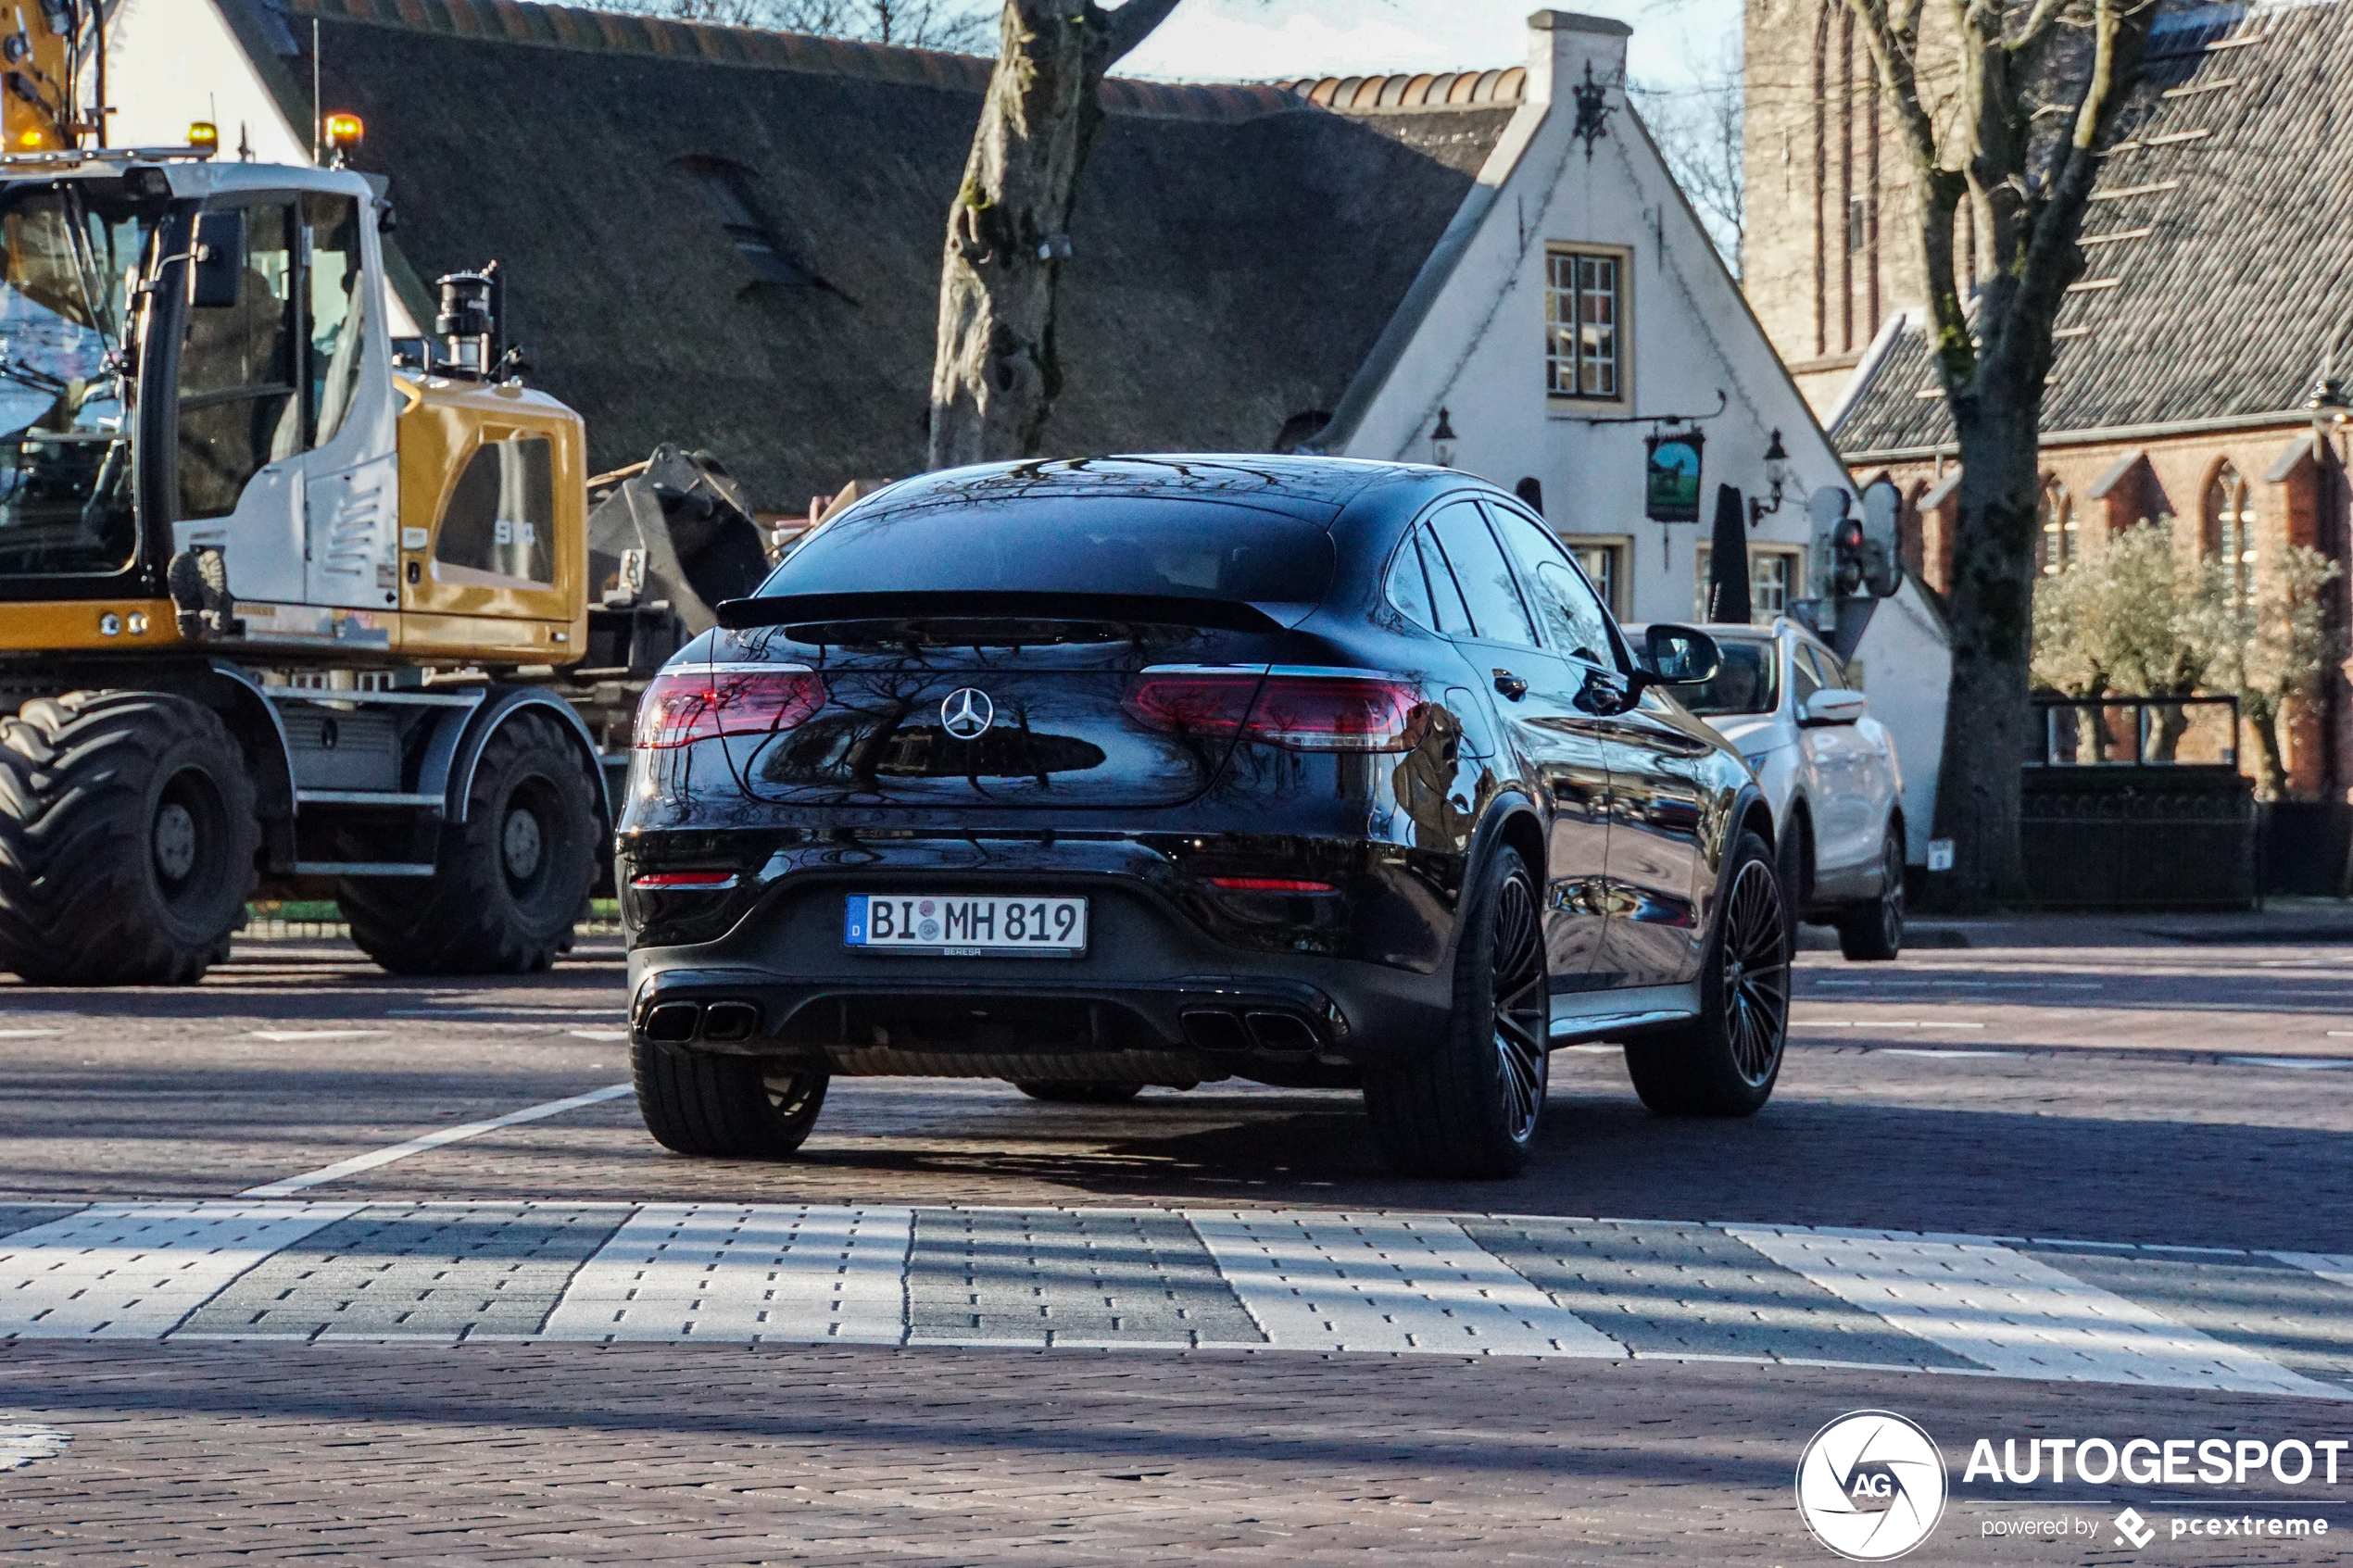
[338, 323]
[501, 512]
[238, 411]
[65, 458]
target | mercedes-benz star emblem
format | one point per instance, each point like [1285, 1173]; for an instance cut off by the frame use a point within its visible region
[967, 713]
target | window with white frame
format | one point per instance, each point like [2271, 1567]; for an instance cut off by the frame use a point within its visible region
[1585, 346]
[1605, 562]
[1775, 577]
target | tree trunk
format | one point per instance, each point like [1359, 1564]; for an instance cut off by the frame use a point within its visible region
[994, 371]
[2265, 722]
[1989, 723]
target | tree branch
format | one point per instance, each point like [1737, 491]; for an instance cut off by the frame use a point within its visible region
[1132, 24]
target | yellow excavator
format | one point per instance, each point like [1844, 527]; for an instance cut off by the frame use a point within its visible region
[289, 606]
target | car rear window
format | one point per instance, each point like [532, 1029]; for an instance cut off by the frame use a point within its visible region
[1748, 681]
[1100, 545]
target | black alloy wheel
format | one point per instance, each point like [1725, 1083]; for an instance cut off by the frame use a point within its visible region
[1470, 1105]
[1726, 1061]
[1756, 974]
[1873, 931]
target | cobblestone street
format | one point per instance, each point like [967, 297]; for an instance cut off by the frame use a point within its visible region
[313, 1260]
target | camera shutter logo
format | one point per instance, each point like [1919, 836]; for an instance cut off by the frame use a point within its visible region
[1871, 1486]
[967, 713]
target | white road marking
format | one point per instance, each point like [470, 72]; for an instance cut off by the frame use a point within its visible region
[1877, 984]
[374, 1158]
[2018, 1316]
[1386, 1282]
[2334, 1267]
[318, 1034]
[132, 1271]
[1930, 1051]
[1877, 1023]
[28, 1034]
[729, 1272]
[2306, 1062]
[599, 1034]
[20, 1446]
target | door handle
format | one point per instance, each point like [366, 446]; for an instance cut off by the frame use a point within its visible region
[1510, 685]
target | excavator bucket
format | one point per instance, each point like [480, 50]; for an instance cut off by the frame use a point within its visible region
[678, 530]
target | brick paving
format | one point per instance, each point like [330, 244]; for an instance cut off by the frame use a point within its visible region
[2144, 1098]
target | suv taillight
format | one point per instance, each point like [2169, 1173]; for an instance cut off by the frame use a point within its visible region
[1299, 712]
[684, 706]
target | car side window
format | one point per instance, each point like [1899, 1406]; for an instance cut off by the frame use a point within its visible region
[1827, 665]
[1805, 679]
[1408, 589]
[1496, 611]
[1453, 617]
[1566, 603]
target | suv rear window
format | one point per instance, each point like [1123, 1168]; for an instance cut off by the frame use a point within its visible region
[1749, 681]
[1124, 545]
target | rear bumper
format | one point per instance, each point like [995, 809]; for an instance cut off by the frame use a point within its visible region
[1162, 995]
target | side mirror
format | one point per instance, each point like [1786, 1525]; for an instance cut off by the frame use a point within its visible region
[219, 270]
[1680, 656]
[1835, 706]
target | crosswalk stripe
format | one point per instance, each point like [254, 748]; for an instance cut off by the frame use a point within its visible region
[2334, 1267]
[1384, 1281]
[723, 1271]
[2017, 1315]
[133, 1271]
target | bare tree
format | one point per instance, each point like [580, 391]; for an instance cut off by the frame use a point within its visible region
[2037, 92]
[920, 24]
[994, 373]
[1698, 130]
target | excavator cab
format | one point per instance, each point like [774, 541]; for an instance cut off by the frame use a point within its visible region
[296, 600]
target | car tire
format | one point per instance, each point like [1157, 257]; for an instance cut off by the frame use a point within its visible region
[512, 879]
[1470, 1107]
[1081, 1094]
[1873, 931]
[723, 1106]
[1794, 865]
[127, 840]
[1725, 1061]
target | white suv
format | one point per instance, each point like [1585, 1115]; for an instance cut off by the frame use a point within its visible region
[1829, 771]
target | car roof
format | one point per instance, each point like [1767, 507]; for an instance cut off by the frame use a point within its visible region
[1312, 488]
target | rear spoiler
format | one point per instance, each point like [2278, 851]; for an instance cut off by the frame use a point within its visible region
[808, 609]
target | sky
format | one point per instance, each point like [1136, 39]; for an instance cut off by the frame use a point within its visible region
[1263, 40]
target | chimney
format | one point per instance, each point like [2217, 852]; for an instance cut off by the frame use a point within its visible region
[1562, 44]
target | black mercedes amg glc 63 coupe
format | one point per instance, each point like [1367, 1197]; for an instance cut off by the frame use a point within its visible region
[1096, 774]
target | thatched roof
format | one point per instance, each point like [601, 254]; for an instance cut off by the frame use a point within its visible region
[1238, 248]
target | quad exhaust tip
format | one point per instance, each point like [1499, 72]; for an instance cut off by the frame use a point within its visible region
[1219, 1030]
[722, 1022]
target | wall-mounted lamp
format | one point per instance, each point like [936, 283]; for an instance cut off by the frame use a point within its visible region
[1442, 442]
[1776, 477]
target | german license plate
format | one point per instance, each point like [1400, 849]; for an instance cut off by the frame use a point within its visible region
[959, 926]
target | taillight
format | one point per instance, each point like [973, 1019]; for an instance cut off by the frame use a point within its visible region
[1268, 884]
[704, 882]
[1191, 703]
[1298, 711]
[684, 706]
[1336, 713]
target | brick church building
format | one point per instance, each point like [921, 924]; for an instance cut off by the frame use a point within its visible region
[2216, 298]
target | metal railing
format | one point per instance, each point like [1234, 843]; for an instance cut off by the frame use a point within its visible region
[2139, 732]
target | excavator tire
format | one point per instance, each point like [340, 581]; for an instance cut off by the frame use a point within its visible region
[512, 878]
[128, 840]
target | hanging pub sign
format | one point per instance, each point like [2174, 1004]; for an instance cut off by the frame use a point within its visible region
[1671, 494]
